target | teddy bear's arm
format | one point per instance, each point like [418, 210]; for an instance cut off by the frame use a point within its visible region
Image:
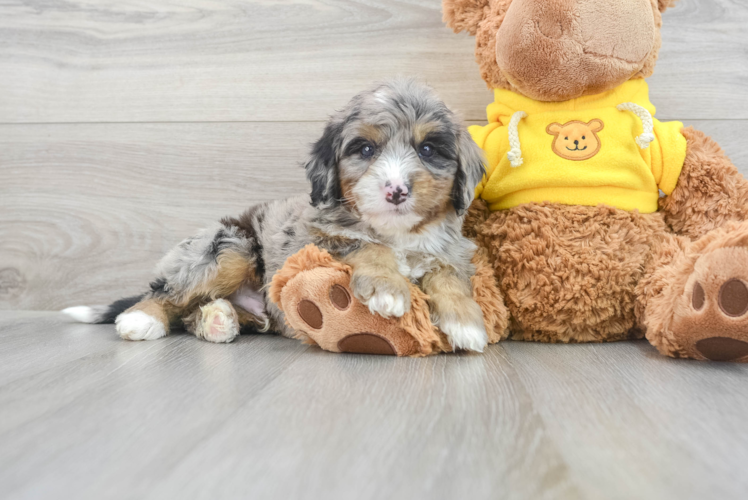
[710, 191]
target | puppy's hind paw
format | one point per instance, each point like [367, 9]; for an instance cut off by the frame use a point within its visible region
[137, 325]
[463, 336]
[219, 323]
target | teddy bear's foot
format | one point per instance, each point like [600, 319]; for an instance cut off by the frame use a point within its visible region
[715, 324]
[319, 304]
[709, 318]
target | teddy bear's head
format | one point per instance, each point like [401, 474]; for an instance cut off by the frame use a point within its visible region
[554, 50]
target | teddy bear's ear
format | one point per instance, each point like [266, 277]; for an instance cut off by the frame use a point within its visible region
[553, 129]
[596, 125]
[664, 4]
[464, 15]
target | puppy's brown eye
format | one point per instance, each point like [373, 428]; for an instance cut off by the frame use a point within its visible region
[367, 151]
[426, 150]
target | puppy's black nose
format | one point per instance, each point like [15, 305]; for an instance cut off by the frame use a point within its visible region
[397, 196]
[576, 143]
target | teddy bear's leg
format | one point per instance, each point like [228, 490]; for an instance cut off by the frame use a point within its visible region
[569, 273]
[216, 321]
[694, 304]
[319, 304]
[710, 191]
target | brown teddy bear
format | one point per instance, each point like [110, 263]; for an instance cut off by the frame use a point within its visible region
[601, 222]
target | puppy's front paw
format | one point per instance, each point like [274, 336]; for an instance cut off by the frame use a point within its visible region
[387, 304]
[465, 336]
[461, 320]
[388, 297]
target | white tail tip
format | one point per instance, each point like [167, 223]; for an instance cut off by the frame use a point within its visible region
[84, 314]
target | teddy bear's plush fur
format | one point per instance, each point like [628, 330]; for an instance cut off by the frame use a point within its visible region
[574, 273]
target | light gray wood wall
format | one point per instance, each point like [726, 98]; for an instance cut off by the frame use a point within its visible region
[126, 125]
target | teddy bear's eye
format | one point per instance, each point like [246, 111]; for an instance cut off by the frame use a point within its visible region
[583, 137]
[566, 138]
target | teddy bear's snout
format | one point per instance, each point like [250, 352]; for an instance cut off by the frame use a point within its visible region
[561, 49]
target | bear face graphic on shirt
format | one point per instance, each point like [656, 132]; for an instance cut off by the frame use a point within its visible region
[576, 140]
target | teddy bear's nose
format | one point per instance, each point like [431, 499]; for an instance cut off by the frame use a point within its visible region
[576, 143]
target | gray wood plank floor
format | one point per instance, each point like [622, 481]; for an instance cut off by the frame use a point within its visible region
[86, 415]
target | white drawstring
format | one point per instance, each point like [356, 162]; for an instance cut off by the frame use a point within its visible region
[515, 152]
[647, 123]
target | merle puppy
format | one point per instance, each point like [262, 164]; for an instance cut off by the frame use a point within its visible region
[392, 176]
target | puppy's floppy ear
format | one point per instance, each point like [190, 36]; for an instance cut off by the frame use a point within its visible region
[322, 167]
[470, 171]
[465, 15]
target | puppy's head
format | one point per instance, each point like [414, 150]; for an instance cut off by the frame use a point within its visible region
[396, 158]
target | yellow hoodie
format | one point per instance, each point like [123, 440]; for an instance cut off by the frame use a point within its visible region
[602, 149]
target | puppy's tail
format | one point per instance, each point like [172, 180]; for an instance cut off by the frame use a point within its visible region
[102, 314]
